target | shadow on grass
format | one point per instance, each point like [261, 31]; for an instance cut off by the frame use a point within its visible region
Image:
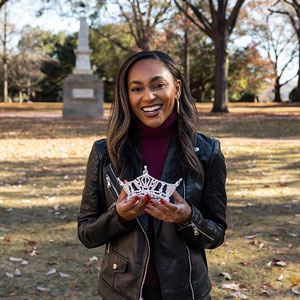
[49, 128]
[225, 127]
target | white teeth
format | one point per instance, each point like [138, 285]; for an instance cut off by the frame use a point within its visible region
[152, 108]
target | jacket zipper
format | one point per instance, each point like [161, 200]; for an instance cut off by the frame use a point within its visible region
[147, 262]
[188, 251]
[110, 185]
[190, 266]
[197, 230]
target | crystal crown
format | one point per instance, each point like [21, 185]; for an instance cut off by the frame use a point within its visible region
[146, 184]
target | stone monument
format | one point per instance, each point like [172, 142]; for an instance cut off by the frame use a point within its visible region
[83, 92]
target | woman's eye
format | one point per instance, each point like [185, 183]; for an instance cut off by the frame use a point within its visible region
[160, 85]
[136, 89]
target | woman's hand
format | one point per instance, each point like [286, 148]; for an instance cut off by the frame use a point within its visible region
[130, 209]
[173, 213]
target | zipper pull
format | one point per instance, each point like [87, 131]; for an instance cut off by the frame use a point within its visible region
[196, 231]
[108, 181]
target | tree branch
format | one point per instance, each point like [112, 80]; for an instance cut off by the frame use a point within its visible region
[234, 15]
[203, 26]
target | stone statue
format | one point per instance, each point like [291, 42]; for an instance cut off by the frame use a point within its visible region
[83, 52]
[83, 92]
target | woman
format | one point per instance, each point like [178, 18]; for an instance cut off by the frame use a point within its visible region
[154, 249]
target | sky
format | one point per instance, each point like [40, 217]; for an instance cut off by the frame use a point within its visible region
[23, 12]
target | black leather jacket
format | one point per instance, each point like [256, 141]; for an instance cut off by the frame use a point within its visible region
[179, 251]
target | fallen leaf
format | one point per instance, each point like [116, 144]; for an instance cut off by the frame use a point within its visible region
[292, 234]
[32, 252]
[230, 286]
[9, 275]
[94, 258]
[236, 295]
[50, 272]
[15, 259]
[64, 275]
[269, 264]
[253, 236]
[18, 273]
[42, 289]
[7, 238]
[24, 262]
[266, 292]
[226, 275]
[280, 263]
[3, 229]
[280, 277]
[295, 291]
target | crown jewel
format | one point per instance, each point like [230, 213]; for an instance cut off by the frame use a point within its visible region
[146, 184]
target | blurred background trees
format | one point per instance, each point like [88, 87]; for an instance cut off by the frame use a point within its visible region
[229, 50]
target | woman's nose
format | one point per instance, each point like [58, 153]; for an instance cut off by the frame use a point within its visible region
[148, 94]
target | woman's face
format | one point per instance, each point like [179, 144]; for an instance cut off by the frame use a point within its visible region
[152, 91]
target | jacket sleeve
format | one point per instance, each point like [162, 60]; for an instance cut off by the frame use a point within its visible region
[96, 224]
[208, 221]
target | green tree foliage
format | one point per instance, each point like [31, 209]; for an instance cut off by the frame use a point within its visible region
[110, 47]
[57, 69]
[249, 73]
[58, 62]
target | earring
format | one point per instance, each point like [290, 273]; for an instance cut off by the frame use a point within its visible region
[178, 106]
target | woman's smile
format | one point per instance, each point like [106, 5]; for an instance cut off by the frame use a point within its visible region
[151, 111]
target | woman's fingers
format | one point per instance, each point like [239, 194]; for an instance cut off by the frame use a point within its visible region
[178, 199]
[168, 212]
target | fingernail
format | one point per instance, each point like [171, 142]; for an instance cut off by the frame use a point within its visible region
[148, 197]
[136, 198]
[125, 180]
[149, 201]
[162, 201]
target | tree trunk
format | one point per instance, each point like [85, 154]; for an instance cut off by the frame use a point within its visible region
[221, 73]
[186, 50]
[29, 89]
[296, 97]
[20, 95]
[5, 81]
[277, 91]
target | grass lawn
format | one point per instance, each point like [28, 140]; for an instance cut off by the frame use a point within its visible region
[43, 159]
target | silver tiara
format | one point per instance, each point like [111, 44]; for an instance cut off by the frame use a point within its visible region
[146, 184]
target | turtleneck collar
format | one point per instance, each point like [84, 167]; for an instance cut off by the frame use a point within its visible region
[165, 130]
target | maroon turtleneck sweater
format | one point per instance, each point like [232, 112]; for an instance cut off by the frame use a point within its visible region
[154, 144]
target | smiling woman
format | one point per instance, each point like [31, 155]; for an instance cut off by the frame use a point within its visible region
[154, 248]
[152, 92]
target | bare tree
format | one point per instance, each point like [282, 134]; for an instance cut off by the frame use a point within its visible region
[217, 22]
[278, 42]
[291, 9]
[142, 17]
[7, 31]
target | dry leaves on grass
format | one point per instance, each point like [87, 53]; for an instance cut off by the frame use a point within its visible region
[236, 295]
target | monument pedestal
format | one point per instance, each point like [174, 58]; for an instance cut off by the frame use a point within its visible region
[83, 96]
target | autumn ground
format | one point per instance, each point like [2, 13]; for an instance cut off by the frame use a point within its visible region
[43, 160]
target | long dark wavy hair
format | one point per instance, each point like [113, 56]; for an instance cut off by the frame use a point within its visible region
[121, 143]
